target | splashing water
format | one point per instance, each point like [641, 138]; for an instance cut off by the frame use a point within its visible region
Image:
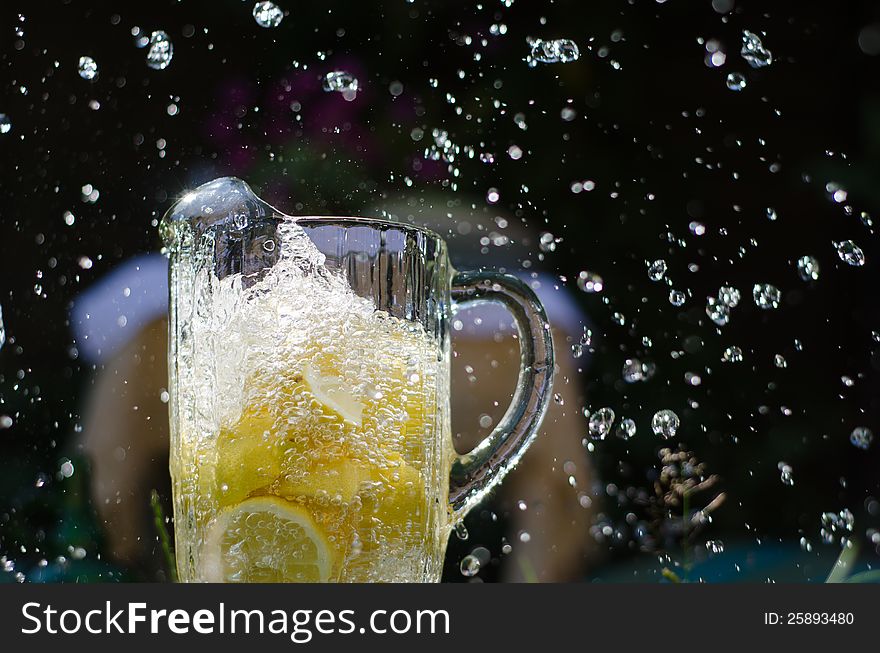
[754, 52]
[808, 268]
[87, 68]
[600, 423]
[850, 253]
[766, 296]
[555, 51]
[161, 51]
[665, 423]
[268, 14]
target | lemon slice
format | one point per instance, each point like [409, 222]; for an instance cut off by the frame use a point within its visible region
[265, 540]
[333, 392]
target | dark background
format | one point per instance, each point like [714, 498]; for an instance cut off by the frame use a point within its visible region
[663, 138]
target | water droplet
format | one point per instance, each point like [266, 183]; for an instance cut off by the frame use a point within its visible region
[268, 14]
[676, 297]
[806, 545]
[470, 565]
[836, 525]
[732, 355]
[850, 253]
[6, 422]
[861, 437]
[770, 212]
[736, 81]
[657, 270]
[635, 370]
[492, 196]
[161, 51]
[600, 423]
[547, 242]
[785, 473]
[715, 546]
[717, 311]
[779, 361]
[5, 124]
[88, 69]
[665, 423]
[626, 429]
[808, 268]
[590, 282]
[2, 329]
[340, 81]
[754, 52]
[729, 296]
[766, 296]
[66, 469]
[269, 245]
[555, 51]
[461, 531]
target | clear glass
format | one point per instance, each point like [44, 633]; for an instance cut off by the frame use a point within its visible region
[309, 383]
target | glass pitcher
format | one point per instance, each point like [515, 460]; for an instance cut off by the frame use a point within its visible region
[309, 393]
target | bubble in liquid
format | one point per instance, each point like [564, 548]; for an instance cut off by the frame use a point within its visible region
[808, 268]
[657, 270]
[729, 296]
[665, 423]
[717, 311]
[766, 296]
[754, 52]
[268, 14]
[736, 81]
[861, 437]
[850, 253]
[87, 68]
[676, 297]
[590, 282]
[732, 354]
[785, 473]
[626, 429]
[600, 423]
[554, 51]
[5, 124]
[340, 81]
[161, 51]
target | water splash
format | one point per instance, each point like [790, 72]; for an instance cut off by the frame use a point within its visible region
[729, 296]
[161, 51]
[268, 14]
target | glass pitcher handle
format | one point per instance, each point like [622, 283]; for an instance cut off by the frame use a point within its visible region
[477, 472]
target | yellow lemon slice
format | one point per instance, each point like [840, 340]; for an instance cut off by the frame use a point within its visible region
[265, 540]
[334, 394]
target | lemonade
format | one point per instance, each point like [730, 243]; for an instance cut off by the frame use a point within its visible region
[307, 451]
